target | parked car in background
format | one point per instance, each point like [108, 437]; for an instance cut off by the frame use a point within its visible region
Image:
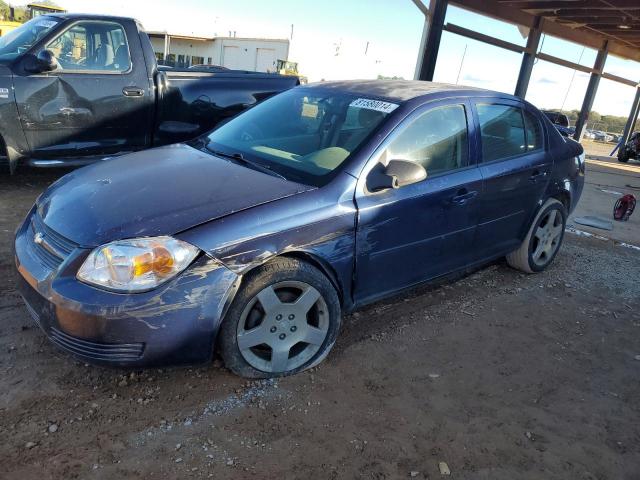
[615, 137]
[631, 150]
[589, 134]
[254, 240]
[560, 121]
[209, 68]
[600, 136]
[76, 88]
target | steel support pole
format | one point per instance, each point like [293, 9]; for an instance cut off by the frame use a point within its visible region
[430, 47]
[166, 48]
[528, 59]
[423, 45]
[633, 116]
[592, 90]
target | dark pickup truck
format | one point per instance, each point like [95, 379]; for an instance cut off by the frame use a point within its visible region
[77, 88]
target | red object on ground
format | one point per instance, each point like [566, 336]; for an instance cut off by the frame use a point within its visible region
[624, 207]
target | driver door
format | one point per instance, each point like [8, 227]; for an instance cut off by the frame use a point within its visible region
[417, 232]
[99, 99]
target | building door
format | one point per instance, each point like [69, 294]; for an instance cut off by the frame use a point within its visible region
[231, 57]
[265, 60]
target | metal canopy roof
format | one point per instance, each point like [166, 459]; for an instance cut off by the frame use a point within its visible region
[587, 22]
[618, 20]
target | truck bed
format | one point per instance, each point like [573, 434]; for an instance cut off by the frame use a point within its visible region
[193, 102]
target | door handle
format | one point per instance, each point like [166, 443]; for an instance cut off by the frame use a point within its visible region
[537, 175]
[463, 196]
[132, 92]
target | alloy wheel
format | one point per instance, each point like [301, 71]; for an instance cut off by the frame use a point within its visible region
[283, 327]
[546, 239]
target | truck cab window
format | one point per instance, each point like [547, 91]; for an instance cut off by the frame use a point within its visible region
[93, 46]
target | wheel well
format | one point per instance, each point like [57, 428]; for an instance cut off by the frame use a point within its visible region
[320, 265]
[565, 198]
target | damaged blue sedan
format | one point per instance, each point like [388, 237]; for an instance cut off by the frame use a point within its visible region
[253, 240]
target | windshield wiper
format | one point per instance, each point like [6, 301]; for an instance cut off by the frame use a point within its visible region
[238, 157]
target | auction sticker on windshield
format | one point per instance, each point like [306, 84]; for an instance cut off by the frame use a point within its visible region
[377, 105]
[4, 93]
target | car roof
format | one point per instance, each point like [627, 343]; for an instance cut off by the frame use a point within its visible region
[404, 90]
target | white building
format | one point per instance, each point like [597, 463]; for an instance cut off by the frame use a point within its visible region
[256, 54]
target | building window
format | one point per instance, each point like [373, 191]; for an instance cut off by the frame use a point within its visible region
[197, 60]
[208, 60]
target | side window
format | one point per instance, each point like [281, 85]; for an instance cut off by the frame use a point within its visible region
[534, 132]
[100, 46]
[502, 131]
[437, 140]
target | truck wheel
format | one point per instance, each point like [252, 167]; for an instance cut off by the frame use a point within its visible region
[285, 319]
[543, 240]
[623, 156]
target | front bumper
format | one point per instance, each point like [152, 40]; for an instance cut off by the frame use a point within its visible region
[174, 324]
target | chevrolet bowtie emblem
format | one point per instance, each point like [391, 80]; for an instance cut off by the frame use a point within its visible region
[38, 239]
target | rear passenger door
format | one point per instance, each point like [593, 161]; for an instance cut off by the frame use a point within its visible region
[515, 167]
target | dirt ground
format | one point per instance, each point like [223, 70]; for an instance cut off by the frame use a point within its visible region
[500, 375]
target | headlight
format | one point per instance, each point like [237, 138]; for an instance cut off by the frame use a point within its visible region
[137, 264]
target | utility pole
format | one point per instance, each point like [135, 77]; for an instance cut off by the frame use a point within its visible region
[464, 54]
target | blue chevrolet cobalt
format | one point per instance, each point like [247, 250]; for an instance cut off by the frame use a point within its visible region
[254, 240]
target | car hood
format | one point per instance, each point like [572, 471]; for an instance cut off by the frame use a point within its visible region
[161, 191]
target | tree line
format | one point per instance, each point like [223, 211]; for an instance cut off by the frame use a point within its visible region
[605, 123]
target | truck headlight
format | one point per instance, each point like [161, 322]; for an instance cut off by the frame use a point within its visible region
[137, 264]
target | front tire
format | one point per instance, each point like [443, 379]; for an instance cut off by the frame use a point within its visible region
[543, 240]
[285, 319]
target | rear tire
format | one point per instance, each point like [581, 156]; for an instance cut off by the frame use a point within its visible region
[284, 319]
[622, 156]
[543, 239]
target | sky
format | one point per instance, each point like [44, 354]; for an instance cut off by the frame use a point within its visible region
[346, 39]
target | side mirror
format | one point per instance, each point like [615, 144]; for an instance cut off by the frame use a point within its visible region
[45, 61]
[397, 173]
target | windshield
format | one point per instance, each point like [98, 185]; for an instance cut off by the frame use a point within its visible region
[302, 134]
[25, 36]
